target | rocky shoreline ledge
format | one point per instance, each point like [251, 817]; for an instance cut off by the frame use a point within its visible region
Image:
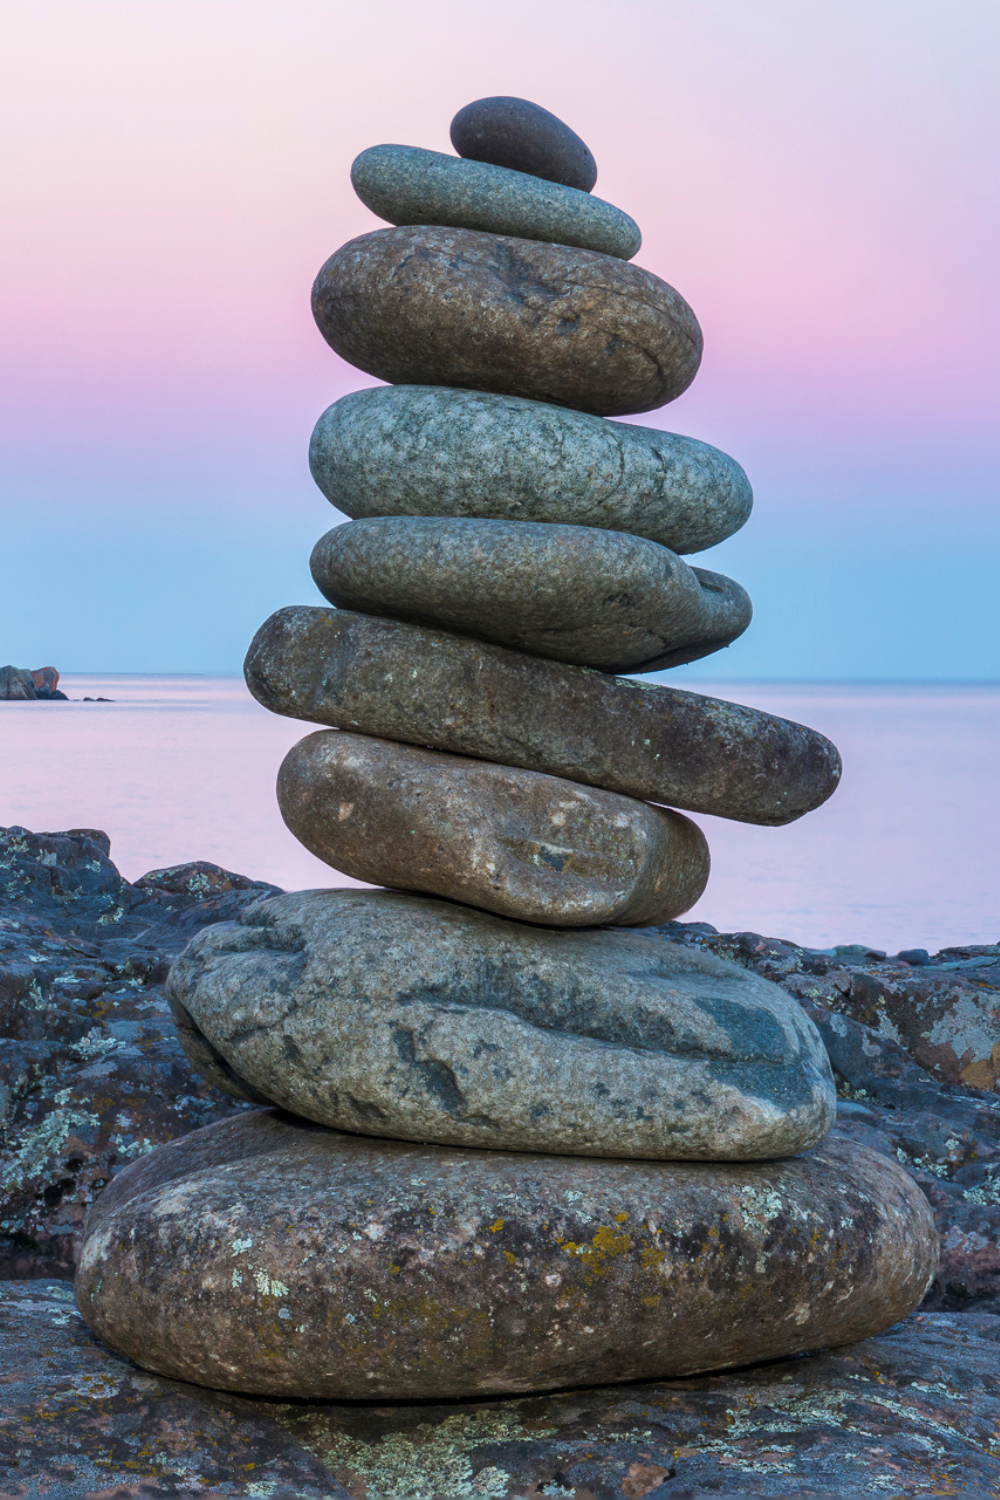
[92, 1076]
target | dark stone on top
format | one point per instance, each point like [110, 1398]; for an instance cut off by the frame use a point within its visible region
[917, 958]
[511, 132]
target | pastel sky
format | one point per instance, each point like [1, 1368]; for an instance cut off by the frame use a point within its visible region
[818, 180]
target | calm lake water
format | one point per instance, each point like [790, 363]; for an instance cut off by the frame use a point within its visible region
[906, 853]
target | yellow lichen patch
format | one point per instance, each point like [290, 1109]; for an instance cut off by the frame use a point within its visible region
[604, 1245]
[650, 1258]
[495, 1228]
[511, 1259]
[621, 1218]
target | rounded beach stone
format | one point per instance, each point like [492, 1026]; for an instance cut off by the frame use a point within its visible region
[408, 185]
[401, 1016]
[433, 688]
[410, 450]
[516, 842]
[422, 305]
[269, 1256]
[515, 133]
[572, 593]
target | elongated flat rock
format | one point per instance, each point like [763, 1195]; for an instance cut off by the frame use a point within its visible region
[398, 1015]
[271, 1257]
[573, 593]
[407, 185]
[432, 451]
[437, 306]
[516, 133]
[524, 845]
[430, 687]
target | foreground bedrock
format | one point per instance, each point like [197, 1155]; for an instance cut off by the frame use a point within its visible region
[397, 681]
[408, 185]
[433, 451]
[572, 593]
[398, 1015]
[519, 843]
[437, 306]
[921, 1402]
[274, 1257]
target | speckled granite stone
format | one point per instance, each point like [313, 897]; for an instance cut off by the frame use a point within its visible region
[407, 185]
[269, 1256]
[436, 306]
[432, 451]
[432, 688]
[516, 133]
[402, 1016]
[573, 593]
[524, 845]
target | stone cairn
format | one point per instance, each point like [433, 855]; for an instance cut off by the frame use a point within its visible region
[506, 1144]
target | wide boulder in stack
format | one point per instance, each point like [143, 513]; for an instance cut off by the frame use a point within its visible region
[524, 1140]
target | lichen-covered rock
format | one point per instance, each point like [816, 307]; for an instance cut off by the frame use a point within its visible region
[523, 845]
[397, 1015]
[518, 134]
[429, 687]
[436, 306]
[571, 593]
[923, 1398]
[407, 185]
[273, 1257]
[91, 1071]
[411, 450]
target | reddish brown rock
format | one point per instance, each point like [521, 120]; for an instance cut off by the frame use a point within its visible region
[528, 846]
[269, 1256]
[456, 307]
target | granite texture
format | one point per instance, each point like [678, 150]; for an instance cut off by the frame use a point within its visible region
[397, 1015]
[431, 451]
[572, 593]
[435, 306]
[518, 843]
[407, 185]
[273, 1257]
[910, 1412]
[515, 133]
[432, 688]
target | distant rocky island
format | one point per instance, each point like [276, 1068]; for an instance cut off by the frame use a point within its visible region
[24, 685]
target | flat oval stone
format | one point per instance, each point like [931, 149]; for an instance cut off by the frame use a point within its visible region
[430, 687]
[423, 305]
[401, 1016]
[407, 185]
[411, 450]
[516, 842]
[266, 1255]
[515, 133]
[572, 593]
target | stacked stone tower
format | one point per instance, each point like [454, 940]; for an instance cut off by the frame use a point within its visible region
[507, 1143]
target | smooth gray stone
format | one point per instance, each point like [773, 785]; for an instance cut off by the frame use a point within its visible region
[426, 304]
[408, 185]
[266, 1255]
[516, 133]
[572, 593]
[532, 847]
[410, 450]
[433, 688]
[398, 1015]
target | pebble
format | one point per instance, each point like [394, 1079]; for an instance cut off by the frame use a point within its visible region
[515, 842]
[433, 688]
[398, 1015]
[571, 593]
[411, 450]
[278, 1258]
[515, 133]
[422, 305]
[407, 185]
